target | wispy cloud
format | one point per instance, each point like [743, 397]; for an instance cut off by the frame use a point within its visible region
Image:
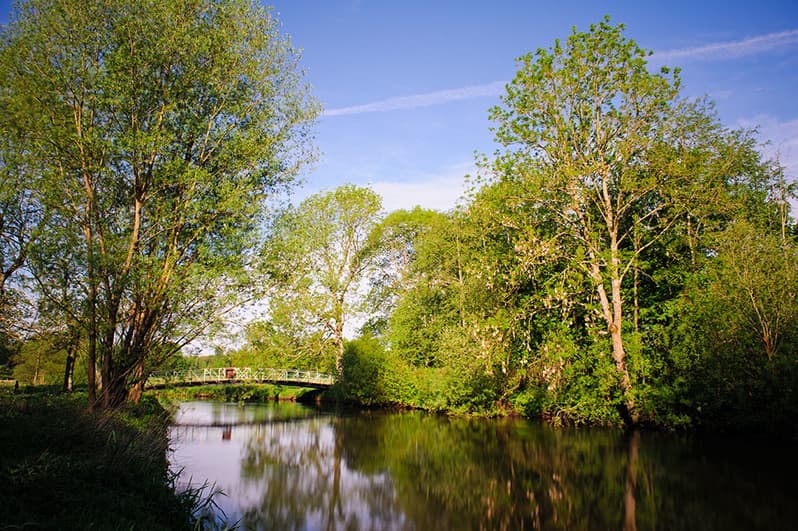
[422, 100]
[708, 52]
[732, 49]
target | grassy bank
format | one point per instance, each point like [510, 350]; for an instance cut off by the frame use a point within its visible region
[62, 468]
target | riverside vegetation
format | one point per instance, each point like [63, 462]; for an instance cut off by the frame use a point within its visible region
[63, 468]
[622, 259]
[141, 142]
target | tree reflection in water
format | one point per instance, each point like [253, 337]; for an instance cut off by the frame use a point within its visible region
[306, 484]
[412, 470]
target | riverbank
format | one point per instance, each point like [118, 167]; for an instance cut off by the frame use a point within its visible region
[63, 468]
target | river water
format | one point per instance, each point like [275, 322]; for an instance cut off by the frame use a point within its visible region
[289, 466]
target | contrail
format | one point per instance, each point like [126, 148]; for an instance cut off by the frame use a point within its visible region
[732, 49]
[708, 52]
[422, 100]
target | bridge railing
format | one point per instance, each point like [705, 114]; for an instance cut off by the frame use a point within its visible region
[239, 375]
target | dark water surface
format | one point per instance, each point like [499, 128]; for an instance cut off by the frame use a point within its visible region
[287, 466]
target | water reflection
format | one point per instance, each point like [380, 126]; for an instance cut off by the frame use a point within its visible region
[286, 466]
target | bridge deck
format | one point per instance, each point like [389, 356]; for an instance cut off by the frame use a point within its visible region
[239, 375]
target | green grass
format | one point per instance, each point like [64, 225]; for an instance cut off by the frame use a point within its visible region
[63, 468]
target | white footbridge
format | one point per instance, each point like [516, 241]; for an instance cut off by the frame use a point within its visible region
[239, 375]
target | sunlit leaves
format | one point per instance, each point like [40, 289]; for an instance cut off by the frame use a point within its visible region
[163, 128]
[317, 257]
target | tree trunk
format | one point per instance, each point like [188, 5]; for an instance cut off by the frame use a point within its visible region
[92, 350]
[114, 378]
[135, 392]
[114, 390]
[68, 370]
[91, 376]
[72, 354]
[338, 338]
[616, 328]
[137, 389]
[339, 356]
[36, 367]
[618, 352]
[612, 310]
[106, 377]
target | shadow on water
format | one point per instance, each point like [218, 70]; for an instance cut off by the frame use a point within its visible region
[287, 466]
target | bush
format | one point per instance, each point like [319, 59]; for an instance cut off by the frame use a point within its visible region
[364, 368]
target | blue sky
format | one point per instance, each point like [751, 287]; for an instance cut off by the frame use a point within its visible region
[406, 85]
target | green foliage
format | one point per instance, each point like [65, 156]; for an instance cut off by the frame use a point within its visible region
[40, 361]
[738, 333]
[62, 468]
[316, 257]
[364, 366]
[22, 219]
[159, 130]
[397, 241]
[178, 362]
[282, 342]
[569, 382]
[602, 271]
[7, 350]
[374, 375]
[417, 325]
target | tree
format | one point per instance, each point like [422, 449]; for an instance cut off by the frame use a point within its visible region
[754, 286]
[432, 300]
[396, 240]
[163, 126]
[737, 332]
[40, 360]
[601, 141]
[21, 221]
[318, 255]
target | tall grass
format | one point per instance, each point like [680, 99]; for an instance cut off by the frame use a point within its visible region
[63, 468]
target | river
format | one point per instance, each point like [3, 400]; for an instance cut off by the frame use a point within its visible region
[290, 466]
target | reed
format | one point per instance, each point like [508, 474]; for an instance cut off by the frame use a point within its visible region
[64, 468]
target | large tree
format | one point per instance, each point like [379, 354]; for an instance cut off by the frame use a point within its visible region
[605, 145]
[21, 221]
[319, 256]
[164, 125]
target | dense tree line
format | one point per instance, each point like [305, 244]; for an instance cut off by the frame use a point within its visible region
[623, 258]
